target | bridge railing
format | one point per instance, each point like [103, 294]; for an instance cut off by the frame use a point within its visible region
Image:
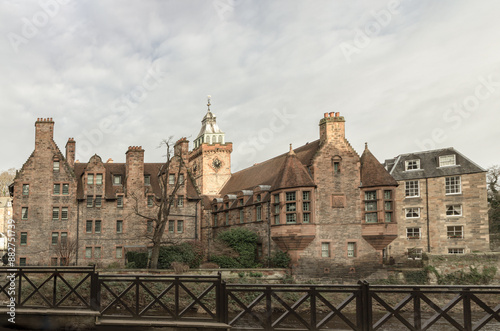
[50, 287]
[161, 297]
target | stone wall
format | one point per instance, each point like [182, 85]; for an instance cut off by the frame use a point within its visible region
[446, 264]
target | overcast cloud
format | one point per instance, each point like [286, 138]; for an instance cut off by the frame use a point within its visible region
[415, 76]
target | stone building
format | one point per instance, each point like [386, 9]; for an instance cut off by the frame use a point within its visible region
[442, 201]
[101, 208]
[329, 208]
[335, 212]
[5, 216]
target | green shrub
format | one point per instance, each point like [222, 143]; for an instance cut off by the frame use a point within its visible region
[244, 242]
[137, 260]
[225, 261]
[190, 253]
[416, 277]
[474, 277]
[280, 259]
[255, 274]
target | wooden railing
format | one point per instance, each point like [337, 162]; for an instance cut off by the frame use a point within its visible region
[190, 299]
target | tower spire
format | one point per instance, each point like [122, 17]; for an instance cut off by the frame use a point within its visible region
[208, 104]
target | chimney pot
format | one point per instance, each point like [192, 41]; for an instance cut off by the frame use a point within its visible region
[337, 114]
[326, 115]
[332, 114]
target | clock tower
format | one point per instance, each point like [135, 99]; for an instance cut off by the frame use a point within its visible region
[210, 159]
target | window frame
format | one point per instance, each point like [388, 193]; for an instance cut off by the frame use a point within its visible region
[412, 165]
[26, 190]
[409, 211]
[451, 183]
[442, 162]
[409, 190]
[325, 249]
[453, 210]
[119, 226]
[455, 232]
[413, 233]
[24, 213]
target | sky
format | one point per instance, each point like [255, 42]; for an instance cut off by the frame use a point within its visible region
[407, 75]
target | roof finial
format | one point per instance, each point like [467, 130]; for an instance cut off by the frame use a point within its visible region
[208, 104]
[291, 150]
[366, 145]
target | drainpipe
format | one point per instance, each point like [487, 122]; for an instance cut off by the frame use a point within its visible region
[269, 231]
[77, 229]
[427, 213]
[196, 220]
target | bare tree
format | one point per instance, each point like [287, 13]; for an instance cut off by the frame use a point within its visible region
[493, 181]
[163, 203]
[66, 250]
[6, 178]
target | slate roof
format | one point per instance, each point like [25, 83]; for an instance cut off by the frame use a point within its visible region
[279, 172]
[373, 172]
[111, 190]
[429, 165]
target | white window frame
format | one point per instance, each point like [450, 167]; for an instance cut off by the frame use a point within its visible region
[455, 231]
[351, 249]
[412, 211]
[325, 249]
[407, 190]
[414, 164]
[417, 253]
[453, 210]
[448, 187]
[445, 161]
[456, 250]
[413, 232]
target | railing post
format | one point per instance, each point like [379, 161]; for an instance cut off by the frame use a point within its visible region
[364, 307]
[221, 302]
[467, 309]
[136, 296]
[95, 291]
[269, 308]
[176, 284]
[20, 274]
[417, 312]
[312, 294]
[54, 289]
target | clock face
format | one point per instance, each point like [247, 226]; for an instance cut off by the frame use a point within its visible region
[216, 163]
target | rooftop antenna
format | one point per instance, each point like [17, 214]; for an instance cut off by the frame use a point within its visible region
[208, 104]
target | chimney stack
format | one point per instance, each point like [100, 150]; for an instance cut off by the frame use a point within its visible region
[44, 133]
[70, 152]
[332, 128]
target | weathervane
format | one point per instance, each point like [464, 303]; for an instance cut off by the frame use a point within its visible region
[208, 104]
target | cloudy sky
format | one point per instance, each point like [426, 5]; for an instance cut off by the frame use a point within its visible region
[408, 75]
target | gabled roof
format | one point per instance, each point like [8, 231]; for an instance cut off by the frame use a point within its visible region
[373, 172]
[268, 172]
[429, 165]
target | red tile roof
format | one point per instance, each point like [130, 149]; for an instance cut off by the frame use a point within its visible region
[276, 171]
[373, 172]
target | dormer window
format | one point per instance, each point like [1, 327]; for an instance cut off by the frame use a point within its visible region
[117, 180]
[98, 179]
[147, 180]
[56, 166]
[447, 160]
[412, 165]
[258, 198]
[90, 179]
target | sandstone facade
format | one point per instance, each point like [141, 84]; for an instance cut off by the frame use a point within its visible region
[336, 213]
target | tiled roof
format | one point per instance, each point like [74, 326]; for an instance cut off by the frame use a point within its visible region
[373, 172]
[269, 172]
[429, 165]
